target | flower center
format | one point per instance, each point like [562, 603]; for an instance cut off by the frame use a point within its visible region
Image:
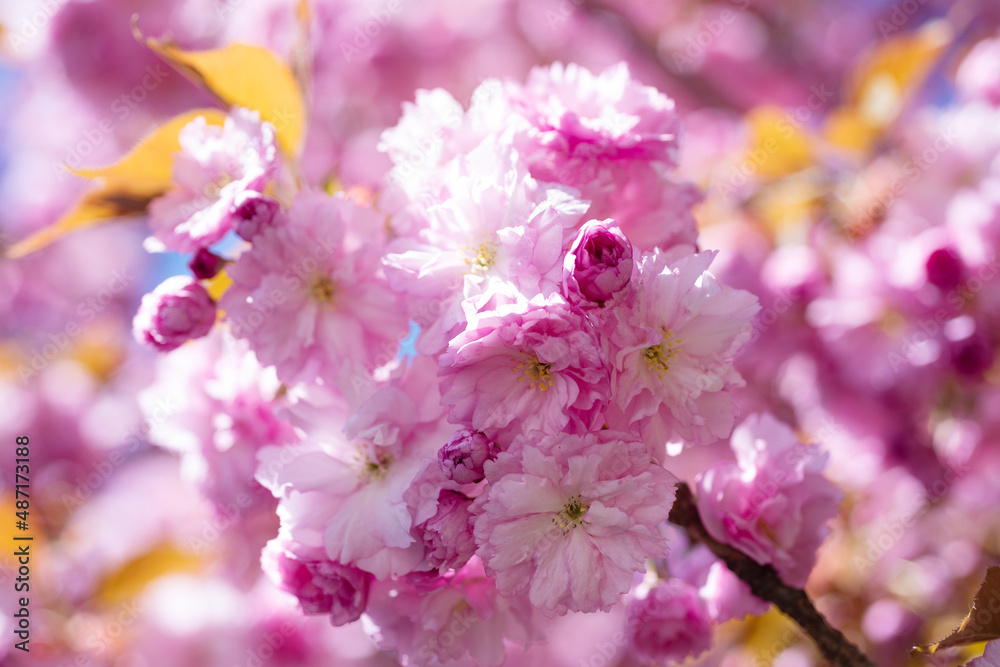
[371, 462]
[659, 356]
[571, 515]
[539, 375]
[322, 289]
[482, 257]
[215, 187]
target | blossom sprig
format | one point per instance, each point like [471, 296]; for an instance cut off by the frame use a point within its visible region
[509, 463]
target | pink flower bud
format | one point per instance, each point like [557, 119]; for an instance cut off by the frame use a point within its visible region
[253, 214]
[463, 457]
[177, 311]
[205, 264]
[321, 586]
[448, 534]
[599, 263]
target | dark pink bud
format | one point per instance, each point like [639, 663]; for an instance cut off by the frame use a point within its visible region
[944, 269]
[175, 312]
[463, 457]
[599, 263]
[205, 264]
[254, 213]
[448, 534]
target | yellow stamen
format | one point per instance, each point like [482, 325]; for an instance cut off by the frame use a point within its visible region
[481, 257]
[322, 289]
[659, 356]
[371, 462]
[571, 515]
[539, 375]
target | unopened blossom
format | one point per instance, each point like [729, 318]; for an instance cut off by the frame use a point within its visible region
[527, 365]
[668, 622]
[462, 458]
[178, 310]
[205, 264]
[321, 586]
[254, 213]
[773, 504]
[447, 536]
[598, 264]
[567, 520]
[673, 347]
[215, 166]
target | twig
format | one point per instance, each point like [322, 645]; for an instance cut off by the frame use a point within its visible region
[765, 584]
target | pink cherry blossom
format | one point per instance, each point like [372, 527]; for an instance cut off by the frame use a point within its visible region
[490, 220]
[344, 494]
[773, 503]
[582, 124]
[530, 365]
[215, 167]
[567, 520]
[673, 346]
[310, 297]
[615, 141]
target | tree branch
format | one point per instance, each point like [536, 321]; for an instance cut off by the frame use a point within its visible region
[765, 584]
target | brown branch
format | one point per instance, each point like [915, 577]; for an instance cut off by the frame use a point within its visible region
[765, 584]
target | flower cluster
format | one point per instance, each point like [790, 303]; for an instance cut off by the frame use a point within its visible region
[423, 393]
[507, 462]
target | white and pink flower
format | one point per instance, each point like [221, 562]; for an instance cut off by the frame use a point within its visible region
[215, 167]
[310, 295]
[567, 520]
[529, 365]
[773, 504]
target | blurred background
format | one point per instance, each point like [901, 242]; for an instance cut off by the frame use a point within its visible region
[848, 152]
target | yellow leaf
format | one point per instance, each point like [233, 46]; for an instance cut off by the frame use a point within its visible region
[778, 145]
[151, 161]
[880, 85]
[981, 624]
[246, 76]
[127, 186]
[95, 208]
[130, 580]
